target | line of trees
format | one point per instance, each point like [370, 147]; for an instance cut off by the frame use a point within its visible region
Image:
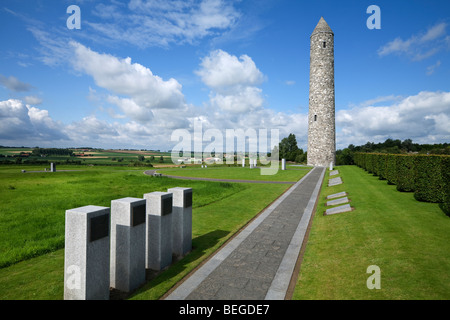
[52, 151]
[390, 146]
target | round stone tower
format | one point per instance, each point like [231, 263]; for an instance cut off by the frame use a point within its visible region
[321, 122]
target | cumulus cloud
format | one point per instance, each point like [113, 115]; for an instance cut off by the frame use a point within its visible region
[131, 109]
[21, 122]
[419, 46]
[420, 117]
[144, 90]
[233, 81]
[132, 79]
[221, 71]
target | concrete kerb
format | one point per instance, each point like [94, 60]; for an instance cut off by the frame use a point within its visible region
[193, 280]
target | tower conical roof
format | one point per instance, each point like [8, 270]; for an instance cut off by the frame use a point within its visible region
[322, 26]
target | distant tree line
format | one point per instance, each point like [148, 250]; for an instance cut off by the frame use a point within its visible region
[346, 156]
[52, 151]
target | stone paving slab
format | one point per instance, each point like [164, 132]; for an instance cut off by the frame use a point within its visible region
[340, 209]
[258, 262]
[334, 181]
[337, 201]
[337, 195]
[333, 173]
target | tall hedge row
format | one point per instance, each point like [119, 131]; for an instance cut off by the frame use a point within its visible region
[428, 176]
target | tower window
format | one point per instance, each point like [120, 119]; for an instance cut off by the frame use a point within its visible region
[324, 44]
[315, 117]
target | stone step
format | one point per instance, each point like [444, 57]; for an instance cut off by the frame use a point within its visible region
[337, 195]
[333, 173]
[340, 209]
[334, 181]
[337, 201]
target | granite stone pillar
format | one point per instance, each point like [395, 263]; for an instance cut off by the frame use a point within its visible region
[87, 253]
[158, 230]
[181, 220]
[127, 243]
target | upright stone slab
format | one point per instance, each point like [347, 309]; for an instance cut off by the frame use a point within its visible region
[127, 243]
[283, 164]
[181, 220]
[243, 162]
[158, 241]
[87, 253]
[52, 167]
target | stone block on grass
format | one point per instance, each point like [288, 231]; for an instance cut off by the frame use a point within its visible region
[181, 220]
[87, 253]
[127, 265]
[158, 232]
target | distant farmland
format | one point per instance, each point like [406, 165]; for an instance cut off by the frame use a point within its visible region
[88, 156]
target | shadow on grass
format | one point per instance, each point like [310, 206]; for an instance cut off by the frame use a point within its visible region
[200, 244]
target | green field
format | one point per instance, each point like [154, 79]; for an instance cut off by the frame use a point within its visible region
[408, 240]
[238, 173]
[23, 156]
[32, 221]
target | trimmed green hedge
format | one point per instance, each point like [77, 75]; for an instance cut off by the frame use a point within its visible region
[428, 176]
[445, 165]
[391, 168]
[429, 180]
[406, 171]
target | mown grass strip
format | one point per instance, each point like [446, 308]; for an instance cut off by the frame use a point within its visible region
[407, 239]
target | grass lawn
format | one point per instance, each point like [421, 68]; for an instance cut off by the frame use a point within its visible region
[33, 205]
[220, 172]
[407, 239]
[220, 209]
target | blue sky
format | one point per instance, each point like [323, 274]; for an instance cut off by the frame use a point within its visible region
[139, 69]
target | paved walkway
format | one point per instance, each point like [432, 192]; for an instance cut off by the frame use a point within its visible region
[258, 263]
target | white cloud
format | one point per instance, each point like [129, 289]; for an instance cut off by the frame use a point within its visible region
[233, 81]
[91, 129]
[242, 101]
[21, 122]
[221, 71]
[161, 23]
[420, 46]
[131, 109]
[418, 117]
[144, 90]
